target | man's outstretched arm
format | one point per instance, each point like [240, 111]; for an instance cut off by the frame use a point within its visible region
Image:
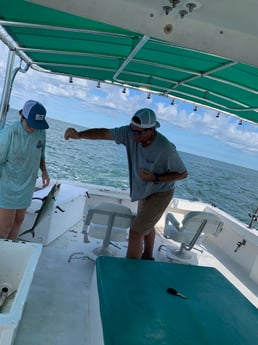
[91, 134]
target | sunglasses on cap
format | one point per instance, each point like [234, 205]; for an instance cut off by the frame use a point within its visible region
[136, 132]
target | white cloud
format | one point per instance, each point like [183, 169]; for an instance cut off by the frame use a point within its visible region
[225, 128]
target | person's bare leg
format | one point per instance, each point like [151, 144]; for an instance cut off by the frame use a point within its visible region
[7, 218]
[135, 244]
[19, 217]
[149, 244]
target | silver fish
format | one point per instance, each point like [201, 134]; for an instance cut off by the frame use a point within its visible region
[47, 203]
[3, 296]
[6, 300]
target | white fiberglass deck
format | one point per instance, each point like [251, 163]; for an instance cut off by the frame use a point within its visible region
[57, 311]
[57, 308]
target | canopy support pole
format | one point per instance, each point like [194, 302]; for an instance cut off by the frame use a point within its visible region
[143, 40]
[4, 105]
[8, 84]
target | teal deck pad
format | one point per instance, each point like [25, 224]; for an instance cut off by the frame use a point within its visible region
[136, 308]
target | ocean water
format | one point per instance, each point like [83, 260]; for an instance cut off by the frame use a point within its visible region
[231, 188]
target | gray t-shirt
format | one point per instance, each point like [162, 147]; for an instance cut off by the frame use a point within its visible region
[160, 157]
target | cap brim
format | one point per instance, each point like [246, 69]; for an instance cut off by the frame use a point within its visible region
[145, 125]
[37, 125]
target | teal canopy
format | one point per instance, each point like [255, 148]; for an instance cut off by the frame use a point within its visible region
[67, 44]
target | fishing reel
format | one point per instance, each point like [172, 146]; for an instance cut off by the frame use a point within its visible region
[254, 218]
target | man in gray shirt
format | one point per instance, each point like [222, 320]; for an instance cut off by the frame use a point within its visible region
[154, 166]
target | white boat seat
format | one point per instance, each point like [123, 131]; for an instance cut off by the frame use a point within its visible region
[194, 225]
[110, 222]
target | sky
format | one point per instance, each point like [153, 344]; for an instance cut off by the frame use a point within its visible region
[82, 103]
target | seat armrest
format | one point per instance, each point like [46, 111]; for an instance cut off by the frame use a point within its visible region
[171, 219]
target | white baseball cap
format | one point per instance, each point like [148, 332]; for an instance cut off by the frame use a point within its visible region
[145, 118]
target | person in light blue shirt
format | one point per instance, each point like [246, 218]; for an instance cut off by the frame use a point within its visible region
[22, 154]
[154, 166]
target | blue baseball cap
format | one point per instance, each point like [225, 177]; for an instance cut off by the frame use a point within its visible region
[145, 118]
[35, 113]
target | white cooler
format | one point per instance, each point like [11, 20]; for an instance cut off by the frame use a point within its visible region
[18, 262]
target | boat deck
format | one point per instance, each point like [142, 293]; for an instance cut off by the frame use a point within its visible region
[56, 311]
[57, 307]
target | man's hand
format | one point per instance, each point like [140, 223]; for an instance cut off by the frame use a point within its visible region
[45, 179]
[147, 175]
[71, 133]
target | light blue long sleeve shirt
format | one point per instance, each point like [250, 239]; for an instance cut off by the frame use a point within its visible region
[20, 156]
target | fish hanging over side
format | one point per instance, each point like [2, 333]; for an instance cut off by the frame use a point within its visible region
[47, 204]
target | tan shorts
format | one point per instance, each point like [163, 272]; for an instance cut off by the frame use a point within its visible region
[150, 211]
